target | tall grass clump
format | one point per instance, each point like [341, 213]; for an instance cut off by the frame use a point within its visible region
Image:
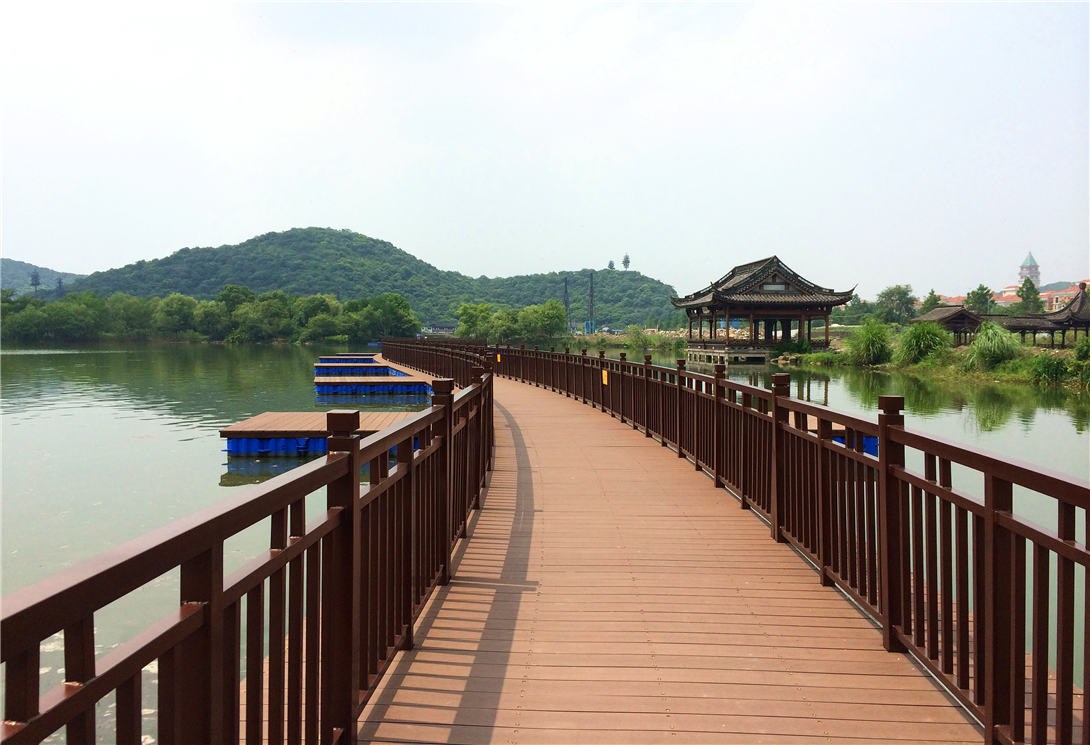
[1047, 368]
[993, 345]
[1082, 349]
[870, 344]
[635, 338]
[922, 341]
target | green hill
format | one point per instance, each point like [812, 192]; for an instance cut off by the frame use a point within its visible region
[305, 261]
[15, 275]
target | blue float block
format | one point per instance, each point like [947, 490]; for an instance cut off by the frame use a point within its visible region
[275, 445]
[362, 359]
[284, 446]
[870, 444]
[363, 370]
[373, 400]
[354, 388]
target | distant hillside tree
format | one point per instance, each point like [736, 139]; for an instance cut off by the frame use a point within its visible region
[625, 262]
[35, 281]
[474, 320]
[610, 265]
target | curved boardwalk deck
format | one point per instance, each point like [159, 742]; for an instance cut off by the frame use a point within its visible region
[609, 594]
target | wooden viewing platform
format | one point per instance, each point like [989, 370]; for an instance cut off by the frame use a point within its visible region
[609, 595]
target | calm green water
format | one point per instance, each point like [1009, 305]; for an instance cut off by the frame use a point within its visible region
[102, 445]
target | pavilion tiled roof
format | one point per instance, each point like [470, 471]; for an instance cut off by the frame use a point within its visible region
[1076, 311]
[742, 286]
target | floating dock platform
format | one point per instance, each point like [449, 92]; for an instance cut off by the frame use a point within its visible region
[361, 357]
[355, 379]
[297, 432]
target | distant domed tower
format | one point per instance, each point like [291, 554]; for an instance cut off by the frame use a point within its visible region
[1030, 269]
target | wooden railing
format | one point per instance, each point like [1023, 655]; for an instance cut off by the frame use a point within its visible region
[290, 646]
[923, 536]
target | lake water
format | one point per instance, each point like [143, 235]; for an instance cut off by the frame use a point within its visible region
[102, 445]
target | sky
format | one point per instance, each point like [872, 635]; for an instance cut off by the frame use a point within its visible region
[930, 144]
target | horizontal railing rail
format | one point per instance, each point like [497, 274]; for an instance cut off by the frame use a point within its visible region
[290, 646]
[921, 532]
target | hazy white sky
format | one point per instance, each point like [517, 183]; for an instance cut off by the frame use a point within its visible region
[923, 143]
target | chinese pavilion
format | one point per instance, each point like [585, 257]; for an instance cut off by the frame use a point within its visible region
[772, 302]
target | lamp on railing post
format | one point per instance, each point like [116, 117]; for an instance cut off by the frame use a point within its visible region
[679, 385]
[889, 521]
[602, 380]
[647, 395]
[442, 396]
[340, 591]
[781, 388]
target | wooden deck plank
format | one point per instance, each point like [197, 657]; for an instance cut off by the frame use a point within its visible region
[307, 423]
[608, 594]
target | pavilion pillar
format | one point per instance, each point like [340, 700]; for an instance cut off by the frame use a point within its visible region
[826, 330]
[727, 329]
[712, 331]
[700, 324]
[690, 327]
[752, 331]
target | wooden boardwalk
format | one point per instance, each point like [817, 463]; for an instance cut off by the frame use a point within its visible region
[608, 594]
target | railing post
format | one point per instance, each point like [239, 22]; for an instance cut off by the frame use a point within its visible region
[600, 380]
[889, 521]
[620, 386]
[198, 670]
[583, 375]
[477, 373]
[341, 588]
[679, 387]
[999, 609]
[717, 422]
[567, 373]
[522, 362]
[781, 388]
[409, 519]
[442, 396]
[647, 395]
[824, 500]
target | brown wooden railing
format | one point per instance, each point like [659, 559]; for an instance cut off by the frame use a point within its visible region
[924, 536]
[335, 598]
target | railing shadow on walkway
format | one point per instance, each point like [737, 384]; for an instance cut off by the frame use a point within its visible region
[463, 686]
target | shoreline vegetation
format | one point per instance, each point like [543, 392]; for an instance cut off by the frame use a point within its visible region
[926, 349]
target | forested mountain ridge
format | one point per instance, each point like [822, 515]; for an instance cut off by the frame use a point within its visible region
[306, 261]
[16, 275]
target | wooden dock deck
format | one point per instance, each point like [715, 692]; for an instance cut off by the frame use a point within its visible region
[609, 594]
[308, 424]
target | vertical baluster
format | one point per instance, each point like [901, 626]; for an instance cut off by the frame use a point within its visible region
[232, 641]
[255, 665]
[997, 609]
[79, 667]
[918, 577]
[130, 711]
[1018, 639]
[946, 563]
[279, 541]
[890, 455]
[962, 561]
[781, 388]
[406, 465]
[1041, 628]
[1065, 626]
[296, 528]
